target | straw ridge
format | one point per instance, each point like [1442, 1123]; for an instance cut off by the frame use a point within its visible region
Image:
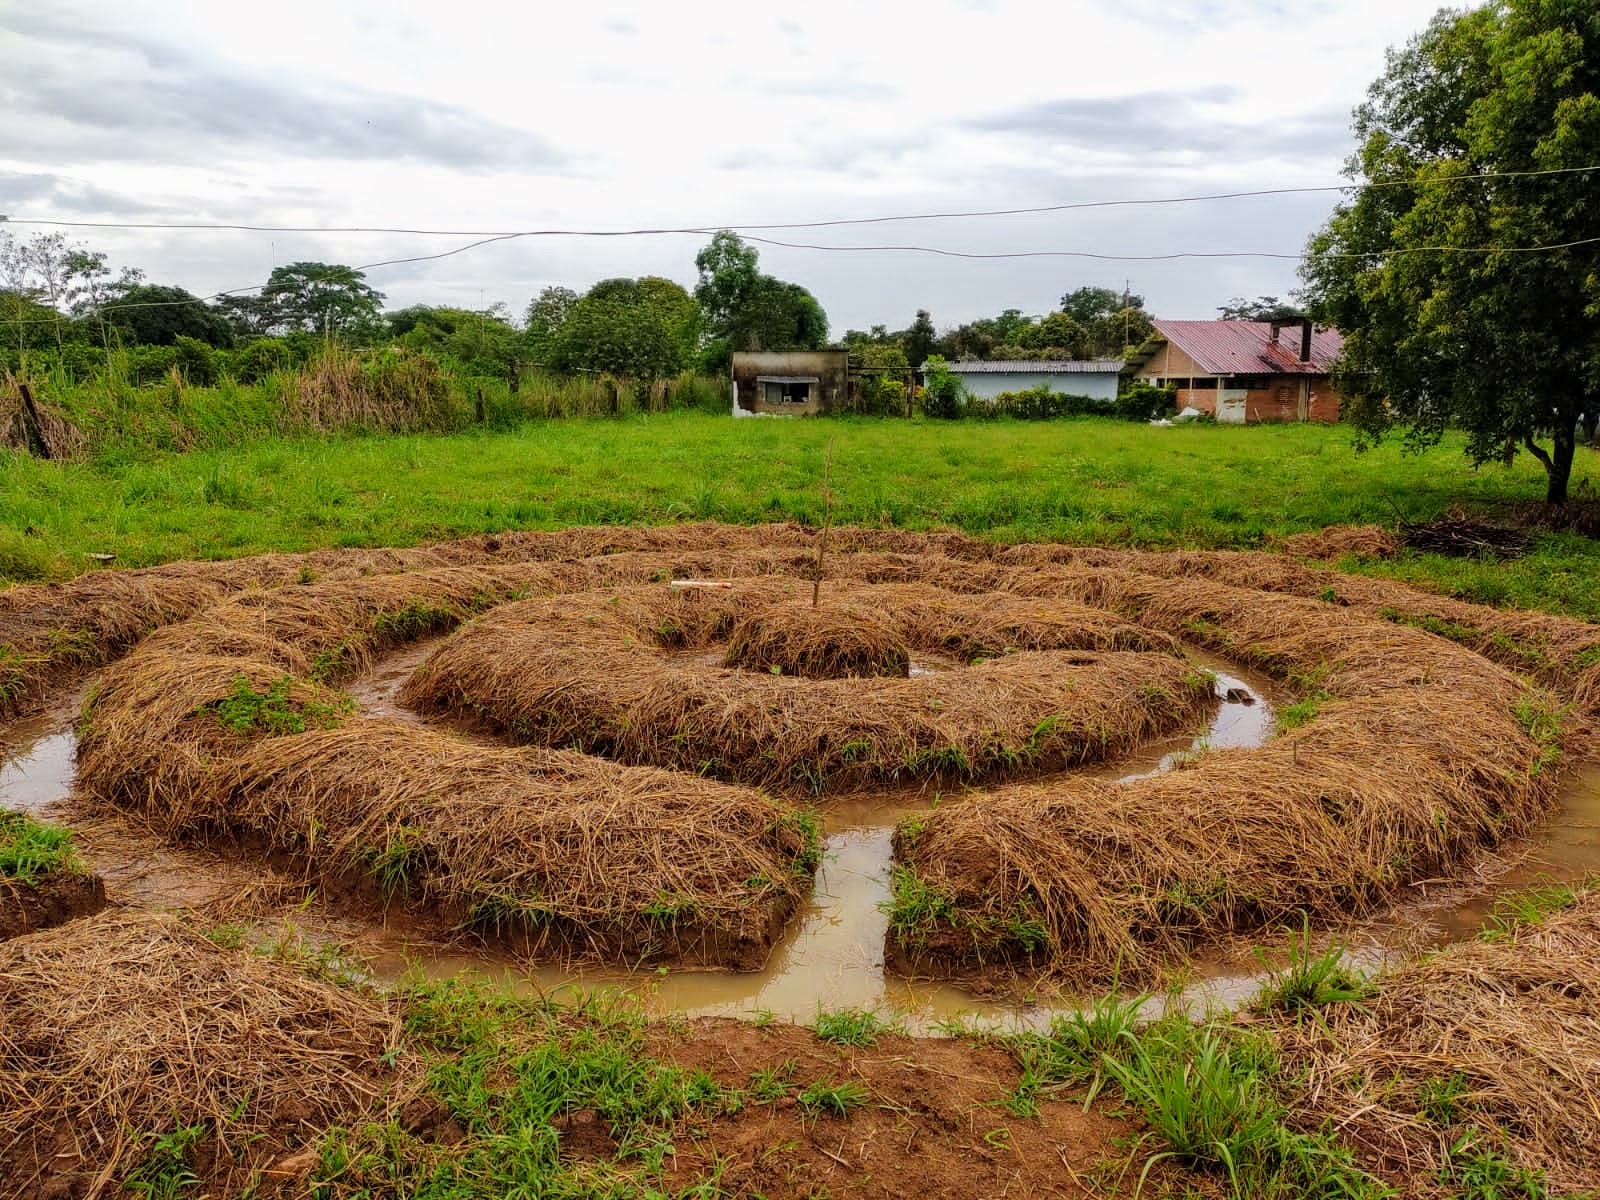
[1491, 1042]
[617, 674]
[121, 1026]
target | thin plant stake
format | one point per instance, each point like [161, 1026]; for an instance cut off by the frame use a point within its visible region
[827, 520]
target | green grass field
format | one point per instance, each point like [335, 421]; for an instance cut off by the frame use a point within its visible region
[1088, 480]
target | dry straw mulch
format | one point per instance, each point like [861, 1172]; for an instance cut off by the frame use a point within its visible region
[573, 855]
[1497, 1041]
[123, 1026]
[1421, 754]
[1337, 541]
[570, 855]
[617, 673]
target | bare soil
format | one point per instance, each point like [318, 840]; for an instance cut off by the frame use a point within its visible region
[931, 1123]
[52, 901]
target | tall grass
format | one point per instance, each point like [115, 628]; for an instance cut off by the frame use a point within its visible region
[120, 412]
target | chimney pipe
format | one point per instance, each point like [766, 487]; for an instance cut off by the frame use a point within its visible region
[1305, 340]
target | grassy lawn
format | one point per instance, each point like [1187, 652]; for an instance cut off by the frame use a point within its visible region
[1087, 480]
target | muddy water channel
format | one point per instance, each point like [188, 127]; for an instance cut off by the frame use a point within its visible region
[832, 954]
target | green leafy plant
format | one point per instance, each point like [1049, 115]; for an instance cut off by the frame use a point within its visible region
[165, 1173]
[1312, 979]
[31, 850]
[834, 1099]
[849, 1027]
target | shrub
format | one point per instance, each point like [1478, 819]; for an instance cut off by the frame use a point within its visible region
[943, 397]
[254, 362]
[1141, 401]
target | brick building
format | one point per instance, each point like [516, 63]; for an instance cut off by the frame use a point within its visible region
[1245, 371]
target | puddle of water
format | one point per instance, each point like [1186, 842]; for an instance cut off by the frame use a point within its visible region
[376, 691]
[40, 775]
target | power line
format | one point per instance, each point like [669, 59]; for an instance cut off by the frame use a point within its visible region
[712, 227]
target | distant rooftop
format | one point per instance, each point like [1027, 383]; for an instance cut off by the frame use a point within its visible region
[1247, 348]
[1036, 366]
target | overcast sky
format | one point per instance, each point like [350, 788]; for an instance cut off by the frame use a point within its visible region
[605, 115]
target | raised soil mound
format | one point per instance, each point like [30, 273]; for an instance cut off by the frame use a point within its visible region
[832, 642]
[121, 1027]
[1485, 1050]
[59, 897]
[616, 674]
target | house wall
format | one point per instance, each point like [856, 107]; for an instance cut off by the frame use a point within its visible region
[1270, 398]
[831, 368]
[985, 385]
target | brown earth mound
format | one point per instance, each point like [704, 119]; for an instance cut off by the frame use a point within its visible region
[608, 673]
[25, 907]
[123, 1027]
[829, 642]
[1485, 1050]
[1415, 754]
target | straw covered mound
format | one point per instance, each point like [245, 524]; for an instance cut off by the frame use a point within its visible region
[623, 674]
[219, 726]
[1419, 753]
[122, 1026]
[1423, 734]
[1496, 1041]
[832, 642]
[571, 856]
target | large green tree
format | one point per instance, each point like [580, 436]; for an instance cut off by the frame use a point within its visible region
[1450, 314]
[149, 314]
[326, 298]
[639, 327]
[746, 310]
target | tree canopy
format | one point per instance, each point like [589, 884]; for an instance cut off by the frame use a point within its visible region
[153, 315]
[1449, 315]
[1262, 308]
[645, 327]
[744, 309]
[319, 297]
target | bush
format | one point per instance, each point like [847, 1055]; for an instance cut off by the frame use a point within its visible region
[881, 396]
[257, 360]
[196, 359]
[150, 364]
[1141, 401]
[943, 397]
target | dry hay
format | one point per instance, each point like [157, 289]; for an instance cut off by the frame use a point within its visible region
[1083, 650]
[1337, 541]
[1493, 1040]
[123, 1026]
[624, 674]
[571, 855]
[1421, 754]
[825, 642]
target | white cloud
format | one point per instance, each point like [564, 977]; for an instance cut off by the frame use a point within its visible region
[617, 115]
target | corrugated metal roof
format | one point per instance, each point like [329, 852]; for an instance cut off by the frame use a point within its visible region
[1037, 366]
[1247, 348]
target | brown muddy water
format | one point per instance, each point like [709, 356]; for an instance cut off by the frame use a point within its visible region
[832, 954]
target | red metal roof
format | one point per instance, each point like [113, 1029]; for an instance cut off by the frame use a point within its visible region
[1247, 348]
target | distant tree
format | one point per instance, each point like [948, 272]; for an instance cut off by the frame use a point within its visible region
[639, 327]
[248, 315]
[1262, 308]
[477, 342]
[1502, 344]
[1086, 305]
[920, 339]
[742, 309]
[324, 298]
[148, 314]
[546, 312]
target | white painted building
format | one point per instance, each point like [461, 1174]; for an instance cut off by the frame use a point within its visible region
[1095, 377]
